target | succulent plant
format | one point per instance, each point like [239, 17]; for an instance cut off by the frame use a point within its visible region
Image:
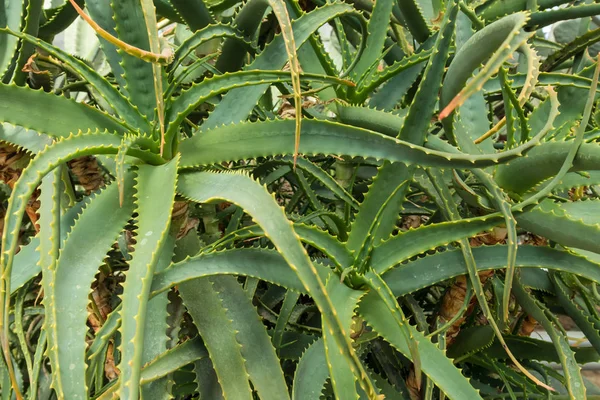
[211, 207]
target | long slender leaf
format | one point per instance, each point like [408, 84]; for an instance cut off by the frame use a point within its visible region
[82, 253]
[262, 206]
[154, 216]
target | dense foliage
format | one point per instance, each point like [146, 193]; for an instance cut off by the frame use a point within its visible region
[276, 199]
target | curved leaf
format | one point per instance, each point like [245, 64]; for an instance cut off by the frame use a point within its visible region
[413, 130]
[83, 251]
[543, 162]
[68, 117]
[11, 19]
[497, 41]
[131, 28]
[267, 265]
[434, 362]
[255, 345]
[62, 17]
[248, 194]
[346, 300]
[188, 100]
[409, 277]
[537, 310]
[273, 57]
[25, 139]
[260, 139]
[201, 36]
[415, 241]
[46, 161]
[311, 370]
[118, 103]
[565, 223]
[49, 250]
[155, 188]
[219, 337]
[173, 359]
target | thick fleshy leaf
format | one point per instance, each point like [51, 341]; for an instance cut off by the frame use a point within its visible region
[83, 252]
[155, 187]
[255, 200]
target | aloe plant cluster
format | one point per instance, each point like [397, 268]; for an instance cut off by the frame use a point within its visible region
[218, 199]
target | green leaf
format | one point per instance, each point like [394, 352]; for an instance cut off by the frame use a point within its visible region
[394, 89]
[287, 307]
[584, 320]
[173, 359]
[538, 349]
[543, 162]
[11, 15]
[545, 18]
[155, 329]
[346, 300]
[169, 361]
[251, 140]
[219, 337]
[49, 251]
[541, 314]
[255, 345]
[85, 247]
[544, 79]
[32, 13]
[434, 363]
[202, 36]
[248, 194]
[378, 286]
[376, 34]
[416, 241]
[413, 130]
[188, 100]
[383, 122]
[130, 27]
[118, 103]
[212, 322]
[28, 257]
[577, 45]
[496, 9]
[414, 18]
[61, 18]
[327, 180]
[273, 57]
[569, 224]
[247, 20]
[62, 151]
[194, 13]
[418, 119]
[25, 139]
[68, 117]
[108, 329]
[497, 42]
[263, 264]
[154, 201]
[409, 277]
[311, 373]
[164, 8]
[101, 12]
[586, 211]
[282, 15]
[294, 344]
[37, 364]
[208, 386]
[471, 340]
[576, 180]
[157, 68]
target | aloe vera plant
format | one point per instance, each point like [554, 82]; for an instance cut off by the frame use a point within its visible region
[218, 205]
